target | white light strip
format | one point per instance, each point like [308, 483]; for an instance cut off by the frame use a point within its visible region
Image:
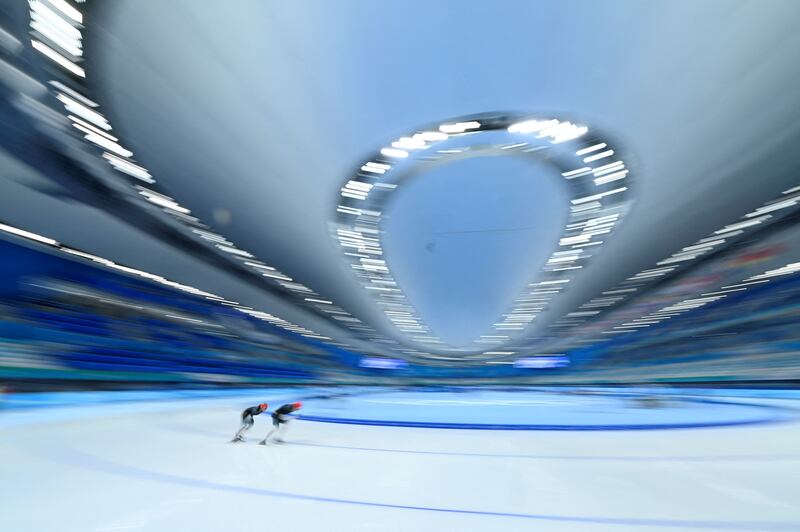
[277, 276]
[611, 177]
[85, 112]
[597, 156]
[27, 234]
[260, 266]
[105, 143]
[610, 167]
[512, 146]
[578, 172]
[85, 255]
[531, 126]
[410, 143]
[598, 196]
[590, 149]
[58, 58]
[89, 128]
[66, 90]
[323, 301]
[67, 9]
[234, 251]
[740, 225]
[71, 46]
[129, 168]
[394, 152]
[673, 260]
[372, 169]
[712, 243]
[459, 127]
[431, 136]
[743, 284]
[563, 132]
[163, 202]
[773, 207]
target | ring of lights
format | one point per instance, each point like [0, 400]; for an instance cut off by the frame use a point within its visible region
[597, 180]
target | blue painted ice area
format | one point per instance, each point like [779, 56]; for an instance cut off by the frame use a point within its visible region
[550, 408]
[542, 410]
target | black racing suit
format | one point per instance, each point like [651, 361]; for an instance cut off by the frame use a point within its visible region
[247, 420]
[279, 418]
[248, 413]
[280, 415]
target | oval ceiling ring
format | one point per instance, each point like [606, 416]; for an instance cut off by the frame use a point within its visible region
[597, 180]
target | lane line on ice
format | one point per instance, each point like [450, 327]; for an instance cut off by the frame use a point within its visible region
[731, 458]
[177, 427]
[85, 460]
[777, 414]
[536, 427]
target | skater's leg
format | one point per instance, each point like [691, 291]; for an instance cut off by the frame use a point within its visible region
[275, 426]
[264, 441]
[247, 424]
[280, 432]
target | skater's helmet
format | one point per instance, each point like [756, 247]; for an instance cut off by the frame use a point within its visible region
[297, 405]
[263, 406]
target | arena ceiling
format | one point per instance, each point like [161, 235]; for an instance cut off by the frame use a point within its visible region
[254, 114]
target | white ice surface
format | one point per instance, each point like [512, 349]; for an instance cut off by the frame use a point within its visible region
[169, 467]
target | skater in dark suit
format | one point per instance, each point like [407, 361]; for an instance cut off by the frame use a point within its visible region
[280, 417]
[247, 420]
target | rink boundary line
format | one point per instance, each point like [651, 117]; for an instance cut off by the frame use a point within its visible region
[178, 427]
[577, 458]
[780, 414]
[535, 427]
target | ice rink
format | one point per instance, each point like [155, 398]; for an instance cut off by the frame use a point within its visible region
[384, 459]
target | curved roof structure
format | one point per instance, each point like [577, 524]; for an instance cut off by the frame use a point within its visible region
[233, 131]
